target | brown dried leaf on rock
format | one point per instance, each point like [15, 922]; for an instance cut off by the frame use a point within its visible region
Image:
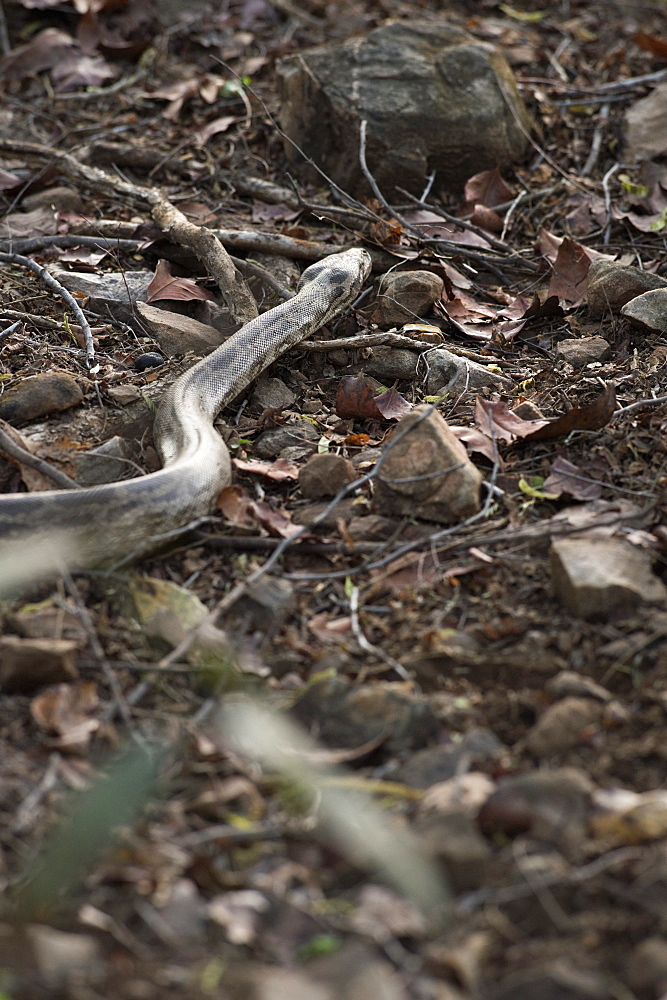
[165, 286]
[355, 399]
[279, 470]
[243, 512]
[495, 420]
[487, 188]
[570, 272]
[591, 417]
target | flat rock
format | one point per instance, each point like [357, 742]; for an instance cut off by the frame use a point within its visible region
[390, 363]
[270, 394]
[177, 334]
[104, 464]
[611, 285]
[584, 351]
[563, 726]
[299, 433]
[38, 396]
[648, 311]
[426, 472]
[325, 475]
[447, 372]
[593, 576]
[349, 716]
[60, 198]
[114, 294]
[568, 683]
[26, 664]
[403, 295]
[433, 98]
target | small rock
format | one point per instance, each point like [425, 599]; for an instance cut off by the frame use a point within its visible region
[114, 294]
[648, 312]
[344, 511]
[453, 839]
[272, 442]
[563, 726]
[426, 472]
[439, 763]
[580, 353]
[390, 363]
[465, 793]
[448, 372]
[372, 528]
[123, 395]
[404, 295]
[551, 805]
[38, 396]
[145, 362]
[270, 394]
[568, 683]
[26, 664]
[611, 285]
[343, 715]
[61, 956]
[104, 464]
[267, 602]
[324, 475]
[646, 967]
[528, 410]
[62, 199]
[592, 576]
[178, 334]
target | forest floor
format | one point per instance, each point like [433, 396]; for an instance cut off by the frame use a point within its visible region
[478, 808]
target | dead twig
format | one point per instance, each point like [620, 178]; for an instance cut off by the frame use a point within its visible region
[14, 451]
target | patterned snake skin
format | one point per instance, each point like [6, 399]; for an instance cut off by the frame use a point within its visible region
[103, 524]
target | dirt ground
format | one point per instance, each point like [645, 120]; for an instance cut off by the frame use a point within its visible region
[474, 805]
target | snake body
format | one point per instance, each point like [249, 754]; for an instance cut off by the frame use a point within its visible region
[103, 524]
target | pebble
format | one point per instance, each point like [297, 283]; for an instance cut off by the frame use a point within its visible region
[38, 396]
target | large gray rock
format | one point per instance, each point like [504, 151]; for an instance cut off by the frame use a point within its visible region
[433, 97]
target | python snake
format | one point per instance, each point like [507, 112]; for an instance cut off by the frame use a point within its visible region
[103, 524]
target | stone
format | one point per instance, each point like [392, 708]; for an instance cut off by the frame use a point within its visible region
[550, 804]
[270, 394]
[388, 364]
[580, 353]
[437, 764]
[104, 464]
[61, 198]
[404, 295]
[123, 395]
[611, 285]
[447, 373]
[648, 311]
[434, 99]
[38, 396]
[177, 334]
[454, 841]
[343, 511]
[26, 664]
[568, 683]
[563, 726]
[109, 294]
[426, 471]
[346, 716]
[646, 966]
[593, 576]
[270, 443]
[324, 475]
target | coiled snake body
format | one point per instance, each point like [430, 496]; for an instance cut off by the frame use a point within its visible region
[102, 524]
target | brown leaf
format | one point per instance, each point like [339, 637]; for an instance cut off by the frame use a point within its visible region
[565, 477]
[355, 399]
[580, 418]
[165, 286]
[497, 421]
[651, 43]
[44, 51]
[570, 272]
[64, 711]
[487, 188]
[278, 470]
[392, 405]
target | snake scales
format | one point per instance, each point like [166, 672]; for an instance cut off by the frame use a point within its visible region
[103, 524]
